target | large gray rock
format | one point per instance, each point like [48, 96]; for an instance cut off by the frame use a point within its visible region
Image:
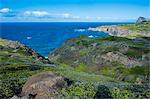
[44, 86]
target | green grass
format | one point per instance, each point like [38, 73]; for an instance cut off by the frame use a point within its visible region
[136, 27]
[136, 30]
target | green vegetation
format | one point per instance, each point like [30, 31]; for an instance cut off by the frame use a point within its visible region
[124, 94]
[88, 90]
[80, 90]
[115, 78]
[136, 27]
[137, 30]
[16, 65]
[92, 76]
[133, 75]
[135, 91]
[81, 68]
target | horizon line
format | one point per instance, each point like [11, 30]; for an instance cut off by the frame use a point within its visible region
[66, 22]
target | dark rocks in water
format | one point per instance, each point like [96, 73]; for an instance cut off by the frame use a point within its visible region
[44, 86]
[141, 20]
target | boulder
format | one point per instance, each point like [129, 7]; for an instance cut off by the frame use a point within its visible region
[44, 86]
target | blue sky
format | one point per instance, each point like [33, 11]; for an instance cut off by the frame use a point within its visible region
[73, 10]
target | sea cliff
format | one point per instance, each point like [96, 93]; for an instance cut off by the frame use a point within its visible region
[125, 30]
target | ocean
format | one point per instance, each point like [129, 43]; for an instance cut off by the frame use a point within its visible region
[44, 38]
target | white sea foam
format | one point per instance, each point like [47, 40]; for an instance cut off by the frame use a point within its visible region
[29, 37]
[90, 36]
[80, 30]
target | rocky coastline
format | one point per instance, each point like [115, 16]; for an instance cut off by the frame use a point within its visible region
[83, 67]
[126, 30]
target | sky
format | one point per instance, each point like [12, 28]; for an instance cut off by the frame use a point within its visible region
[73, 10]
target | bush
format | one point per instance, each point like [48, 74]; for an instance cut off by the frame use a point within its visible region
[103, 92]
[140, 91]
[124, 94]
[134, 91]
[11, 87]
[80, 90]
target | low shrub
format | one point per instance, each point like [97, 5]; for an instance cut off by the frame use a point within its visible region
[10, 87]
[103, 92]
[80, 90]
[122, 94]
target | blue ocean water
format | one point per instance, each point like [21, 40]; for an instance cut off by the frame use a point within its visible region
[46, 37]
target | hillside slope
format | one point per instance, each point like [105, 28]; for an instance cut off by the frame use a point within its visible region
[103, 52]
[101, 55]
[17, 63]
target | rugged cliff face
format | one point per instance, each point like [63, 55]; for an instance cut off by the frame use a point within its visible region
[125, 30]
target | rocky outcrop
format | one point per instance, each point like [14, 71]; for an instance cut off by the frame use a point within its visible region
[44, 86]
[120, 58]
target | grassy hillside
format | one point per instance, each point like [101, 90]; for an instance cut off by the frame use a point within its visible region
[124, 61]
[137, 30]
[105, 56]
[18, 63]
[136, 27]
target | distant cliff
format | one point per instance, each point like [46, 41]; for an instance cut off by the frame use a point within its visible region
[142, 28]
